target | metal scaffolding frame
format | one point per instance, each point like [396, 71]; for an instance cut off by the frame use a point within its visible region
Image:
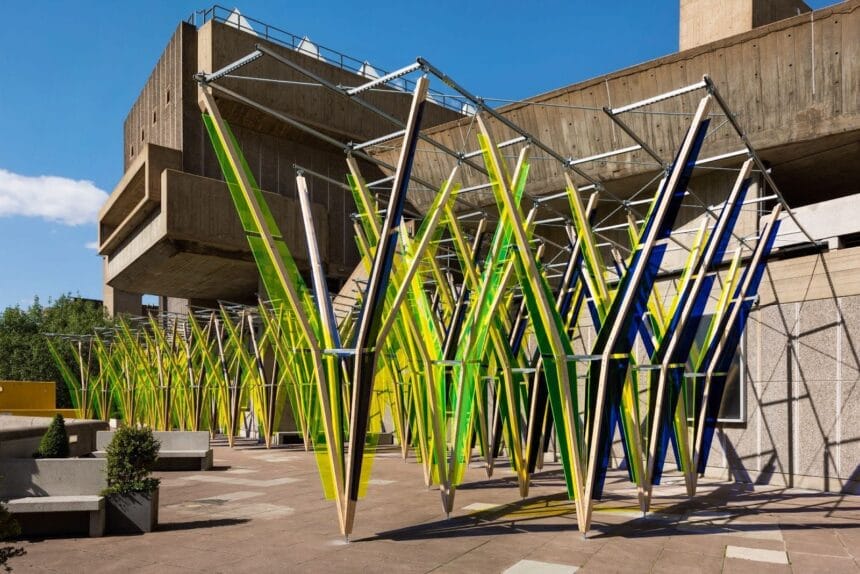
[568, 162]
[618, 307]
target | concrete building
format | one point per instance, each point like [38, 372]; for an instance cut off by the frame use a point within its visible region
[169, 227]
[792, 76]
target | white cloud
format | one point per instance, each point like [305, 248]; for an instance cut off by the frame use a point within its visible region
[60, 199]
[94, 245]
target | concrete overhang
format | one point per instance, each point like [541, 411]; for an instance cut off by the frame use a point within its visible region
[136, 196]
[193, 245]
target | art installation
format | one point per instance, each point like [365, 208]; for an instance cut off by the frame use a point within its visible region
[463, 331]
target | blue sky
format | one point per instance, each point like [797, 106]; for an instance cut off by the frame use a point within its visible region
[71, 71]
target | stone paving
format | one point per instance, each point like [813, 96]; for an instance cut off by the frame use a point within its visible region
[263, 511]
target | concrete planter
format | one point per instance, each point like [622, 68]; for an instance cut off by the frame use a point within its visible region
[132, 513]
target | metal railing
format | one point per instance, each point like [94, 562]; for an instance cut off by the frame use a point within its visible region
[305, 46]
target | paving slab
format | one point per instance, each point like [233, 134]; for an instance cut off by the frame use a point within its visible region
[538, 567]
[757, 554]
[264, 511]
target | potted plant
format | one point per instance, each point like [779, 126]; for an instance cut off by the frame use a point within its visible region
[132, 492]
[55, 442]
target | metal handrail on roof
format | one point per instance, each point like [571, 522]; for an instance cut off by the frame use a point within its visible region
[301, 44]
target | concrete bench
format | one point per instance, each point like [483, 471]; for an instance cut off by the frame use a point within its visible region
[288, 437]
[180, 450]
[20, 435]
[55, 495]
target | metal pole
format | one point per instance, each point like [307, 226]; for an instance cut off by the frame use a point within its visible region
[427, 66]
[712, 89]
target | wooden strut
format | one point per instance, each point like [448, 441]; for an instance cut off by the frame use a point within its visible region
[371, 313]
[332, 434]
[625, 307]
[527, 259]
[686, 321]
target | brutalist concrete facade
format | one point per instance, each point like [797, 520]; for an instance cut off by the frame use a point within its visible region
[169, 227]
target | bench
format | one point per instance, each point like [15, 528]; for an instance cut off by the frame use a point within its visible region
[180, 450]
[55, 495]
[20, 435]
[287, 437]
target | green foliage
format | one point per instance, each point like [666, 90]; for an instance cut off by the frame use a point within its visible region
[8, 530]
[55, 443]
[130, 458]
[24, 353]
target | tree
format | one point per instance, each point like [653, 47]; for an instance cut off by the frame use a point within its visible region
[24, 354]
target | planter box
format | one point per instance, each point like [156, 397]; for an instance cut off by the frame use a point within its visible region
[132, 513]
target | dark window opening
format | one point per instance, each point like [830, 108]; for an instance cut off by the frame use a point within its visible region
[733, 406]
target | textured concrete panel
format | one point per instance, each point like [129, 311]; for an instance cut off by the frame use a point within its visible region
[775, 364]
[850, 446]
[742, 446]
[849, 397]
[850, 343]
[776, 431]
[816, 386]
[776, 323]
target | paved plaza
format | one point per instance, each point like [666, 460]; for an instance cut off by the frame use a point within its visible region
[264, 511]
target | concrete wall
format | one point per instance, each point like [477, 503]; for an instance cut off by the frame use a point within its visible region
[705, 21]
[148, 253]
[157, 115]
[271, 160]
[193, 246]
[768, 11]
[271, 148]
[802, 426]
[795, 85]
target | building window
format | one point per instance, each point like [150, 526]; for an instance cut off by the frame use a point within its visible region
[733, 408]
[167, 96]
[131, 151]
[141, 135]
[154, 116]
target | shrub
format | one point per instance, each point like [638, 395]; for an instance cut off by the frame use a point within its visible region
[130, 457]
[8, 530]
[55, 443]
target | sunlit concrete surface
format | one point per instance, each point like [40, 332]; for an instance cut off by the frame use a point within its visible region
[263, 511]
